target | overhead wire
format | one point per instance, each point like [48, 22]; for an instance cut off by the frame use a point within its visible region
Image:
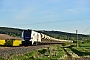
[56, 22]
[50, 22]
[86, 29]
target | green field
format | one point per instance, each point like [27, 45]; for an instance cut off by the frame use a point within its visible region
[82, 50]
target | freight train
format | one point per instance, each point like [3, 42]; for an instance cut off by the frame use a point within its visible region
[31, 37]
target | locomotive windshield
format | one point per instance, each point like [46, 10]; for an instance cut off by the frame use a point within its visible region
[27, 34]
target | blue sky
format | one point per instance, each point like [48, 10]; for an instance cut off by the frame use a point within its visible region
[62, 15]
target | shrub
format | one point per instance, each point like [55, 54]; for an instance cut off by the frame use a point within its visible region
[9, 42]
[66, 43]
[42, 51]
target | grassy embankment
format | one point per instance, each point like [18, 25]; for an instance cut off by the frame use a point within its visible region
[82, 50]
[53, 52]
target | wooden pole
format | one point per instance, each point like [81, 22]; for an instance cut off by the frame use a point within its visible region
[77, 38]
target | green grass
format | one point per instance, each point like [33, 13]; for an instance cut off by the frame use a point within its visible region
[53, 52]
[1, 58]
[85, 45]
[82, 50]
[27, 56]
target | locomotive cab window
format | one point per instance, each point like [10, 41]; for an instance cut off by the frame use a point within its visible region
[27, 34]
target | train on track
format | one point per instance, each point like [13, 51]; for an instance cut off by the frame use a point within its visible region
[31, 37]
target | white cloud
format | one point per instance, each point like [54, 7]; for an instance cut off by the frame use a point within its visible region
[23, 14]
[73, 11]
[48, 16]
[55, 1]
[7, 11]
[17, 11]
[83, 5]
[18, 14]
[45, 11]
[83, 2]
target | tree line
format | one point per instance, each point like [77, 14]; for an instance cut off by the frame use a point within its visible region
[65, 35]
[16, 32]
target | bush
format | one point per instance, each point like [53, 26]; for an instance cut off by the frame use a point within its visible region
[9, 42]
[87, 41]
[74, 41]
[42, 51]
[66, 43]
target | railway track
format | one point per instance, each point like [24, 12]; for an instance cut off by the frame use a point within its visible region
[45, 41]
[8, 52]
